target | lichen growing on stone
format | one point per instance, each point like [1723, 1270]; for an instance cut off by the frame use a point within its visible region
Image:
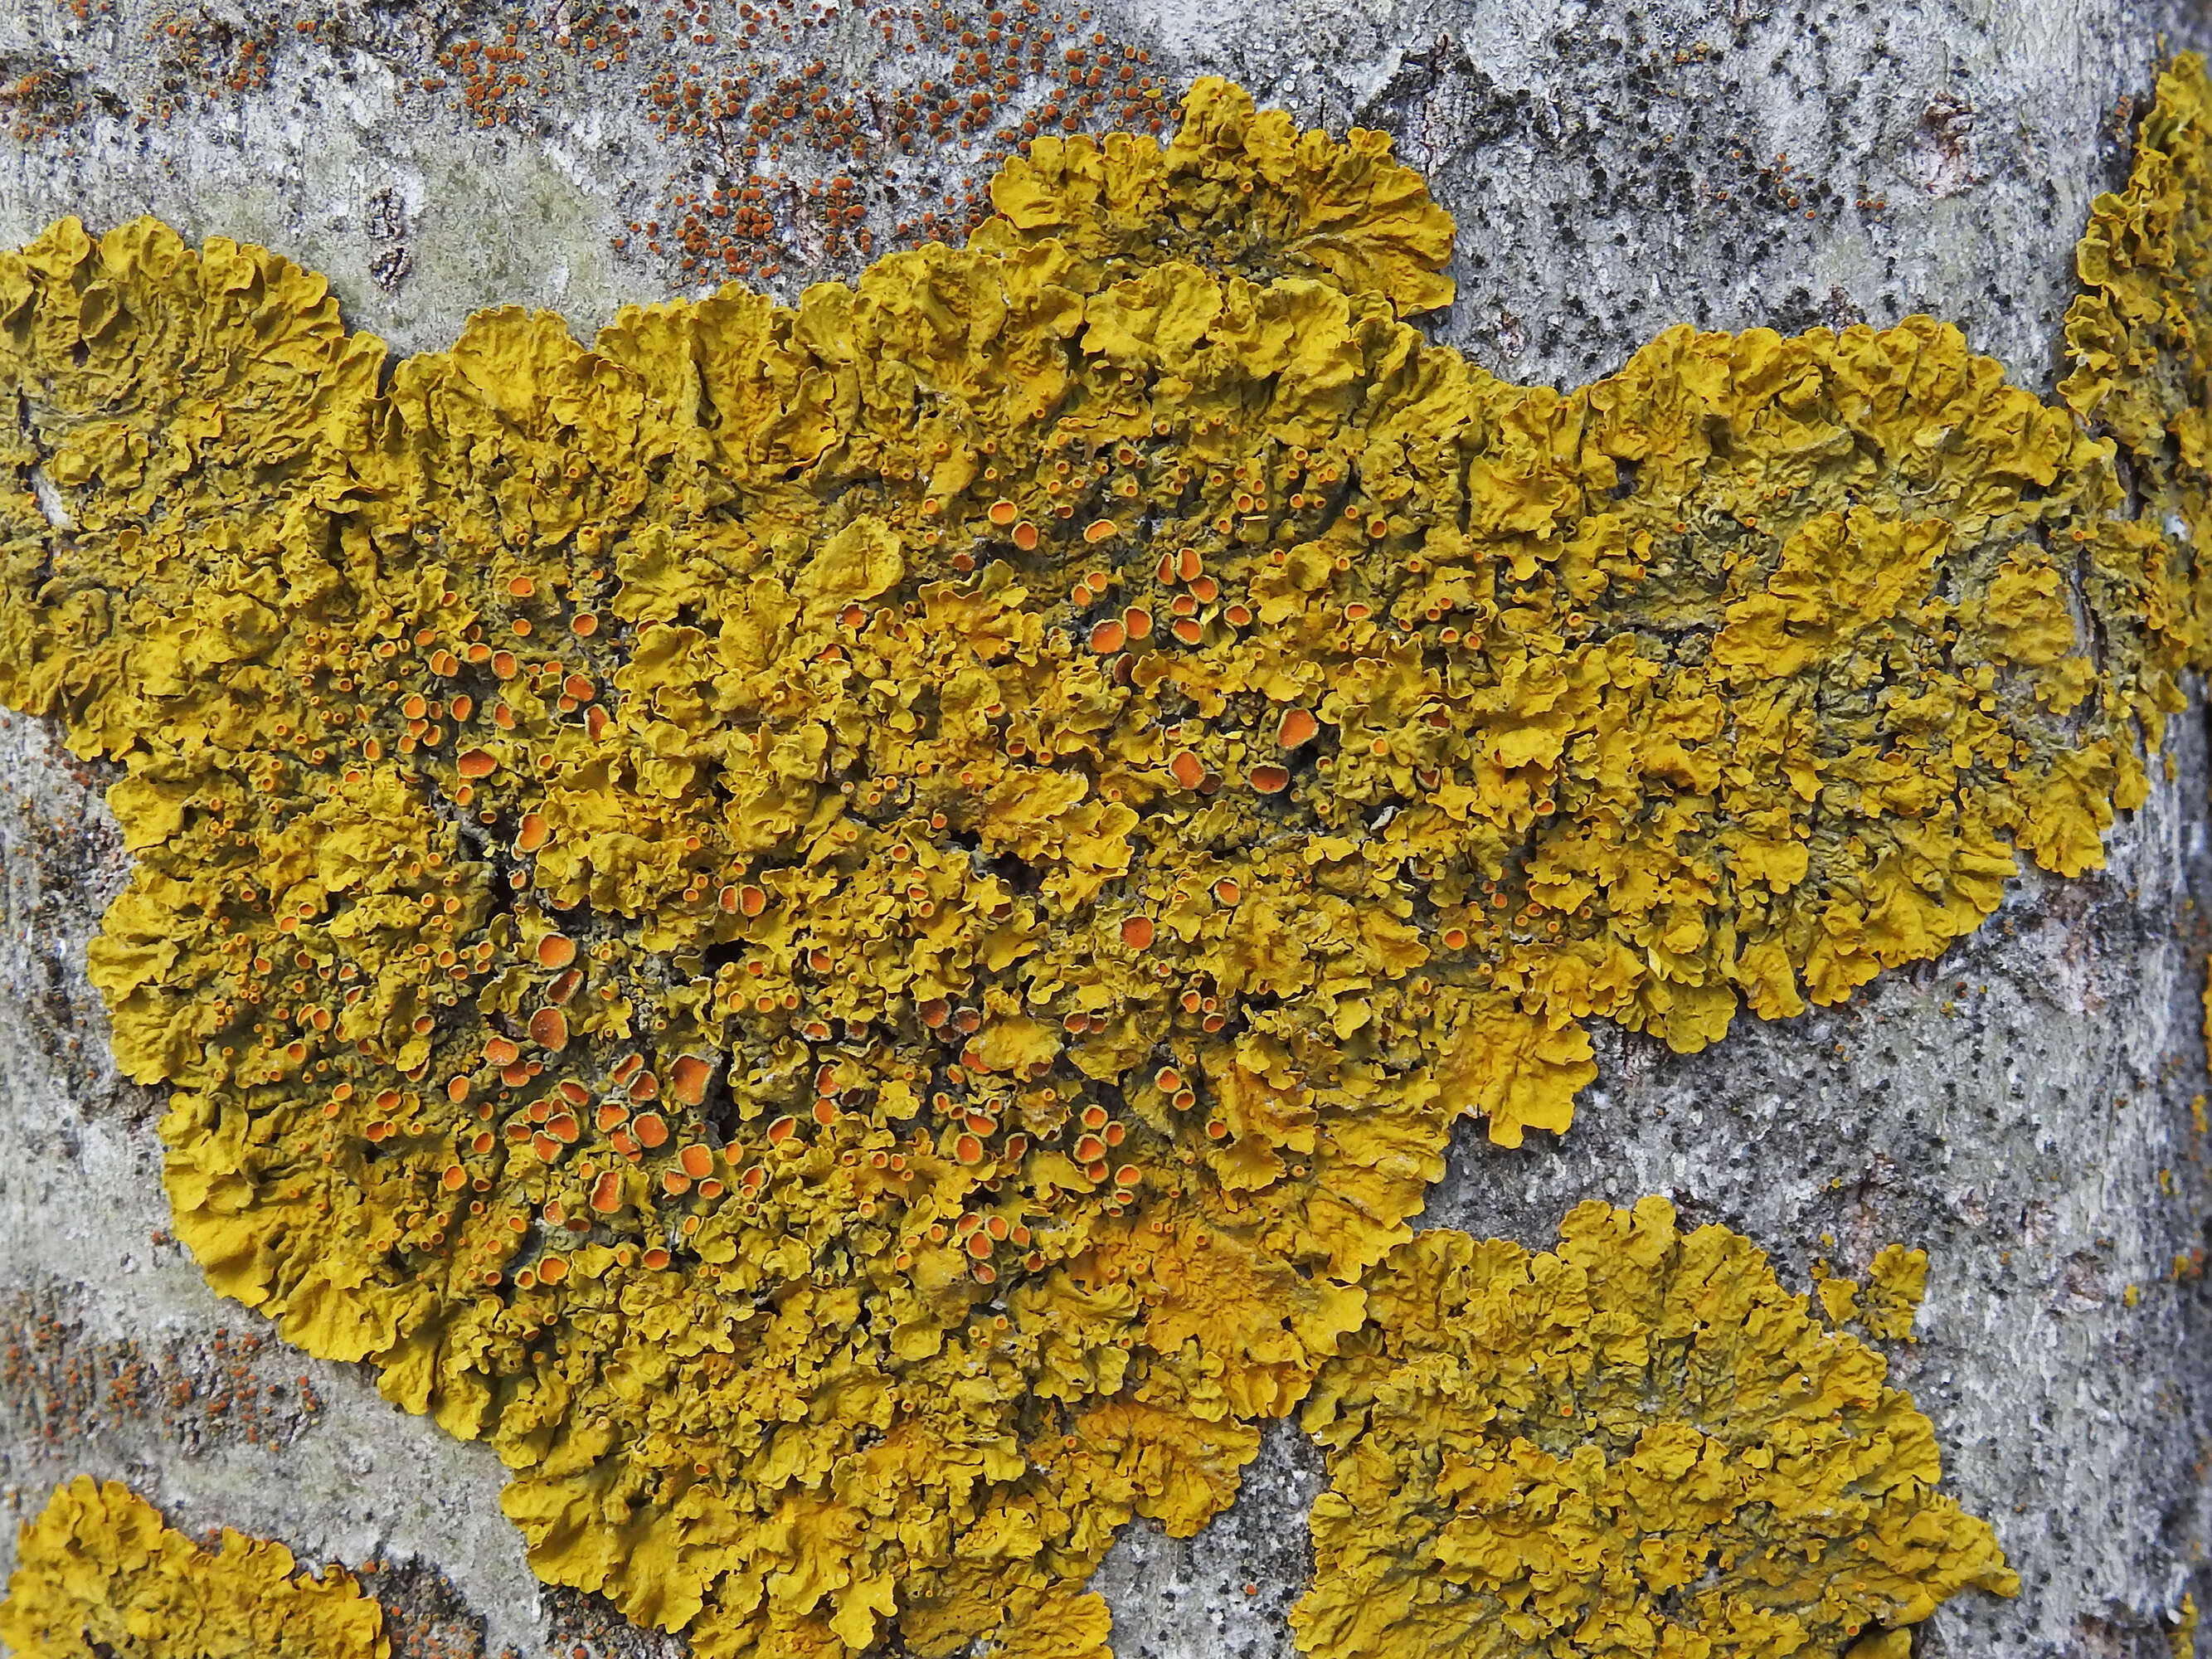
[1639, 1443]
[99, 1576]
[845, 930]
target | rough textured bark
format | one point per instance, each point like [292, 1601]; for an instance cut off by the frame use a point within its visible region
[2020, 1108]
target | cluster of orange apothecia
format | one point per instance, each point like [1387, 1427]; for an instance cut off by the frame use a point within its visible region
[991, 79]
[766, 110]
[847, 930]
[65, 1389]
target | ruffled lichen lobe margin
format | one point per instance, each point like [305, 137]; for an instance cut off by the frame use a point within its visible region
[848, 930]
[99, 1576]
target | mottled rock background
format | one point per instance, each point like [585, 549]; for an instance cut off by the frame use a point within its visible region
[2020, 1108]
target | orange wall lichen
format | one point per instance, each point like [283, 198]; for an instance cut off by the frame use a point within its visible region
[848, 930]
[99, 1576]
[1887, 1303]
[1640, 1443]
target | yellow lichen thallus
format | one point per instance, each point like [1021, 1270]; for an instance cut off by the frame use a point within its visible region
[848, 931]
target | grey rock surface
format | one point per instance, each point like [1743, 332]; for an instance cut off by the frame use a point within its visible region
[2020, 1108]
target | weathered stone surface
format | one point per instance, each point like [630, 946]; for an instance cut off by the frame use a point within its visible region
[2020, 1108]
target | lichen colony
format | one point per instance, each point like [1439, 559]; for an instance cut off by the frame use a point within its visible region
[1638, 1444]
[849, 931]
[99, 1576]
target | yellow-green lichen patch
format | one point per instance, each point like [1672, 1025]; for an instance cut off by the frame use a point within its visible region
[646, 948]
[1237, 191]
[1885, 1306]
[1639, 1443]
[846, 929]
[99, 1576]
[2142, 358]
[1897, 1283]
